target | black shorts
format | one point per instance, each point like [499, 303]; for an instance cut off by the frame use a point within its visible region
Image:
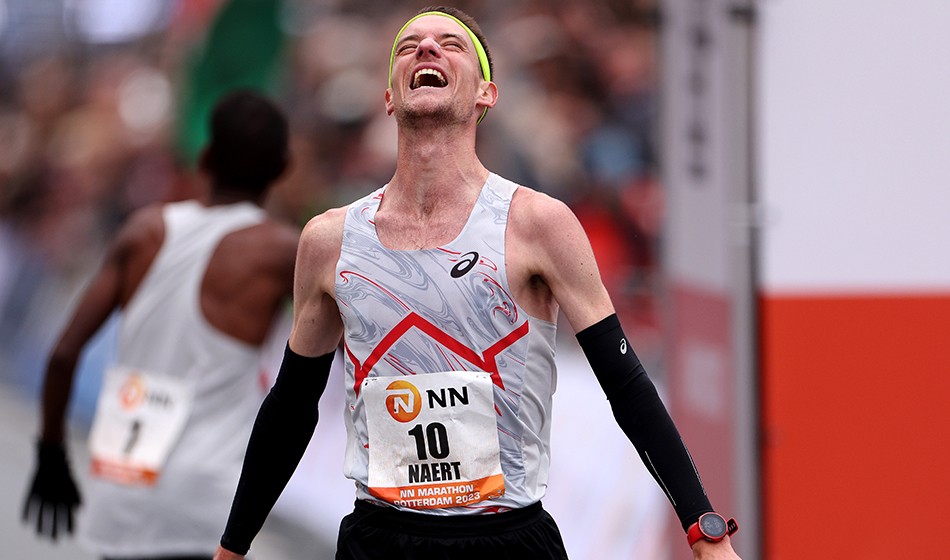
[374, 532]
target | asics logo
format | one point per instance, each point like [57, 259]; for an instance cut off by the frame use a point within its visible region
[466, 262]
[623, 345]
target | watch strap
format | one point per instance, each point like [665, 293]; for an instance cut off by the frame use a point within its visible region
[695, 533]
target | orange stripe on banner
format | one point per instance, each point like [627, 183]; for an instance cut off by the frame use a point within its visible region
[449, 494]
[124, 474]
[855, 395]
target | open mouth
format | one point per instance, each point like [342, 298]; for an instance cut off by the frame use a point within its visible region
[428, 77]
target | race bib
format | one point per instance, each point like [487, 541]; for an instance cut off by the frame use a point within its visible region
[433, 441]
[139, 418]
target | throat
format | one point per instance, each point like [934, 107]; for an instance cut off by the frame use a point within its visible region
[413, 234]
[427, 211]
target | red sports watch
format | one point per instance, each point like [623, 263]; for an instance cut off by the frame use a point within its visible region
[711, 527]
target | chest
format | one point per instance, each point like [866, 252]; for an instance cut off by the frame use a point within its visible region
[448, 266]
[403, 233]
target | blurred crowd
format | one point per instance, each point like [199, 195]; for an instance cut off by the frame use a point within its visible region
[90, 99]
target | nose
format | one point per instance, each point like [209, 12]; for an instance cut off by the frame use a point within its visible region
[428, 47]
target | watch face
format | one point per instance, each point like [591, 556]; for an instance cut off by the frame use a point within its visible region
[713, 525]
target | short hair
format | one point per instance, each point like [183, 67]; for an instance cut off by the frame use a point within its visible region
[469, 22]
[248, 148]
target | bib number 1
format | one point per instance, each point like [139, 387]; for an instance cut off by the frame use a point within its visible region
[139, 419]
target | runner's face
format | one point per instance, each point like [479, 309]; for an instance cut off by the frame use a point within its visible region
[436, 73]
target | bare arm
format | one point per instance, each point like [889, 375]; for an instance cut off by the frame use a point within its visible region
[94, 308]
[551, 263]
[125, 263]
[53, 495]
[317, 325]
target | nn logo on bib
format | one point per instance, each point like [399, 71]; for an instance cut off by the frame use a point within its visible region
[132, 393]
[404, 402]
[136, 392]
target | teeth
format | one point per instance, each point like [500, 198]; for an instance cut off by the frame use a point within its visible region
[427, 71]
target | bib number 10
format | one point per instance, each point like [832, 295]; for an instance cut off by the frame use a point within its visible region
[434, 439]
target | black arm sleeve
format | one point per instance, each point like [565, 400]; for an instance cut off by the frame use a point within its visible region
[643, 418]
[281, 433]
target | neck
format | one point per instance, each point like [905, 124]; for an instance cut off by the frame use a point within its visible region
[434, 167]
[221, 195]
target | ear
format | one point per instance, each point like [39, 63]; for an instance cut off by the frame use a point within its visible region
[389, 102]
[488, 96]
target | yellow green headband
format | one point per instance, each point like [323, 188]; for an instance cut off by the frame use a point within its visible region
[479, 49]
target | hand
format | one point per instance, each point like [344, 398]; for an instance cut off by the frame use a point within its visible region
[224, 554]
[722, 550]
[53, 496]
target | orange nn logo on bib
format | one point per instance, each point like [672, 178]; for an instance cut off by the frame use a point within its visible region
[404, 401]
[132, 392]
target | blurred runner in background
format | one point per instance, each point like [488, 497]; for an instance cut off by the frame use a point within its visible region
[198, 285]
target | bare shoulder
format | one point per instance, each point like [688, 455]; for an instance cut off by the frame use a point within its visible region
[138, 240]
[273, 244]
[543, 223]
[145, 226]
[319, 248]
[282, 233]
[269, 246]
[134, 248]
[534, 209]
[323, 235]
[547, 245]
[280, 236]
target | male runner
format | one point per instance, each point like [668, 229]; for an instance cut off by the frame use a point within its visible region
[445, 286]
[198, 287]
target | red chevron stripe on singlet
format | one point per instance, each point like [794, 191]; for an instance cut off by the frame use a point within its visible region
[485, 361]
